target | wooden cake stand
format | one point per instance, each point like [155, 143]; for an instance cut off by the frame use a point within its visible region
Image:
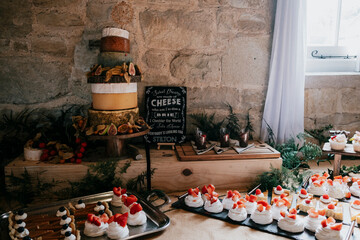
[115, 144]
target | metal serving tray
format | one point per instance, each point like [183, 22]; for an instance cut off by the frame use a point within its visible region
[156, 221]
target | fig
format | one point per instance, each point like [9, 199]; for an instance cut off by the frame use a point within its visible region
[104, 131]
[98, 70]
[132, 70]
[123, 129]
[137, 69]
[112, 130]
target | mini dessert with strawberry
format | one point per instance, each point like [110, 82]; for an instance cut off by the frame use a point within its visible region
[355, 210]
[238, 212]
[210, 189]
[338, 142]
[337, 188]
[95, 226]
[329, 229]
[261, 195]
[335, 211]
[313, 219]
[355, 188]
[212, 204]
[318, 187]
[250, 203]
[281, 192]
[303, 194]
[117, 226]
[290, 222]
[231, 198]
[279, 205]
[325, 200]
[116, 200]
[306, 204]
[262, 214]
[194, 199]
[356, 141]
[128, 200]
[137, 216]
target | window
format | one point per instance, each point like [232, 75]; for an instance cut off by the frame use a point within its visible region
[333, 29]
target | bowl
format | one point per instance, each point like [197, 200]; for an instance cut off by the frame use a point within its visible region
[32, 154]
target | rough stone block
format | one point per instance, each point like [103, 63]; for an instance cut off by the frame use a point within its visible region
[213, 97]
[197, 70]
[178, 29]
[20, 46]
[320, 102]
[158, 60]
[246, 3]
[246, 62]
[57, 3]
[59, 19]
[350, 100]
[27, 80]
[56, 47]
[98, 11]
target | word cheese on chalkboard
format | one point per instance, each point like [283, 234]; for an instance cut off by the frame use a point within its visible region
[166, 114]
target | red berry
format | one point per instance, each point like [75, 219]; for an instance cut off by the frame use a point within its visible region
[336, 227]
[325, 196]
[97, 221]
[303, 191]
[45, 150]
[42, 145]
[307, 201]
[82, 150]
[324, 223]
[79, 155]
[258, 192]
[72, 160]
[136, 207]
[53, 153]
[90, 217]
[84, 144]
[279, 188]
[78, 161]
[77, 140]
[44, 157]
[331, 206]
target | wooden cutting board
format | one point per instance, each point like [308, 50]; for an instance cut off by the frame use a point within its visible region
[259, 151]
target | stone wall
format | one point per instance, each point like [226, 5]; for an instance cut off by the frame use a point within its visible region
[219, 49]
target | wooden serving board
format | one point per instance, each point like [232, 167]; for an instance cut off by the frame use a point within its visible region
[259, 151]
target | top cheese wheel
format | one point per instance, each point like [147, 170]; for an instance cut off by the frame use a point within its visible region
[115, 44]
[115, 32]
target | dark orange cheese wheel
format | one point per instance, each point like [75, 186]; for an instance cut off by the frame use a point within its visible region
[115, 44]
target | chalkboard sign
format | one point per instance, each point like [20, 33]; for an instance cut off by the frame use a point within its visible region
[166, 114]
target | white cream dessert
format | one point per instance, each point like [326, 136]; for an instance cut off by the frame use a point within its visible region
[278, 190]
[137, 216]
[329, 230]
[116, 200]
[338, 142]
[355, 189]
[128, 200]
[117, 226]
[290, 222]
[250, 203]
[94, 227]
[336, 190]
[303, 194]
[306, 204]
[355, 209]
[356, 141]
[262, 215]
[231, 198]
[61, 212]
[261, 195]
[194, 199]
[318, 187]
[210, 189]
[212, 204]
[80, 204]
[238, 212]
[278, 206]
[313, 219]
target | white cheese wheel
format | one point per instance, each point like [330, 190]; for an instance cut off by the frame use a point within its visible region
[114, 88]
[115, 32]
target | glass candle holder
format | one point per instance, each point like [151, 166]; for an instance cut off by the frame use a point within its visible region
[244, 139]
[224, 138]
[200, 139]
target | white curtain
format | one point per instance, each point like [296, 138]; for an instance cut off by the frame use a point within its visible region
[284, 105]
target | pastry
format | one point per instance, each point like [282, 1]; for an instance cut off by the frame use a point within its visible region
[212, 204]
[338, 142]
[356, 141]
[303, 194]
[279, 205]
[325, 200]
[306, 204]
[250, 203]
[117, 226]
[290, 223]
[355, 188]
[262, 214]
[238, 212]
[329, 229]
[314, 218]
[194, 199]
[210, 189]
[231, 198]
[355, 210]
[116, 200]
[261, 195]
[318, 187]
[94, 226]
[280, 192]
[137, 216]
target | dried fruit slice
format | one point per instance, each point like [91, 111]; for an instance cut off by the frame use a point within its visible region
[123, 129]
[112, 131]
[104, 131]
[132, 71]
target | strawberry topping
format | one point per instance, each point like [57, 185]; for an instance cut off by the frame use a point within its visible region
[94, 219]
[97, 221]
[336, 227]
[193, 192]
[312, 213]
[330, 182]
[325, 196]
[314, 178]
[275, 200]
[229, 194]
[262, 202]
[104, 218]
[322, 212]
[338, 177]
[308, 201]
[331, 206]
[268, 207]
[293, 216]
[282, 214]
[121, 219]
[258, 192]
[260, 207]
[293, 211]
[213, 199]
[279, 188]
[90, 217]
[136, 207]
[324, 223]
[356, 202]
[283, 195]
[330, 220]
[348, 195]
[130, 200]
[118, 191]
[252, 198]
[303, 191]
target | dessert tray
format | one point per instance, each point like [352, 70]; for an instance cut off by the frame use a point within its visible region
[156, 220]
[346, 231]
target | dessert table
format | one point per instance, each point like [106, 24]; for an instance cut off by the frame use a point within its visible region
[348, 151]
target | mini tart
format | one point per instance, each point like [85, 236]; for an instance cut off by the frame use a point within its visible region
[263, 196]
[336, 212]
[302, 206]
[287, 195]
[323, 205]
[354, 212]
[301, 196]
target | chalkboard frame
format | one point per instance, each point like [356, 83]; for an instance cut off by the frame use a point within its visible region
[180, 138]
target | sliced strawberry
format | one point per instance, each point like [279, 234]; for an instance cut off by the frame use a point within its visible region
[97, 221]
[330, 182]
[324, 223]
[293, 211]
[336, 227]
[293, 216]
[325, 196]
[268, 207]
[123, 191]
[280, 203]
[111, 219]
[312, 213]
[117, 191]
[314, 178]
[322, 181]
[262, 202]
[192, 192]
[316, 175]
[331, 206]
[204, 190]
[235, 205]
[279, 188]
[130, 200]
[330, 220]
[207, 196]
[213, 199]
[197, 191]
[90, 217]
[275, 200]
[308, 201]
[247, 197]
[210, 188]
[122, 220]
[346, 179]
[283, 195]
[229, 194]
[241, 205]
[252, 198]
[236, 193]
[260, 207]
[354, 179]
[136, 207]
[356, 202]
[317, 184]
[338, 177]
[322, 212]
[104, 218]
[303, 191]
[287, 202]
[326, 175]
[123, 198]
[348, 195]
[283, 214]
[258, 192]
